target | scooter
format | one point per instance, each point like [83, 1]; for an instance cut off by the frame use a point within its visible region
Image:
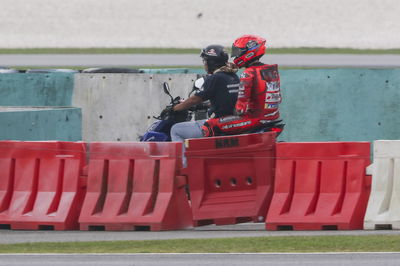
[161, 128]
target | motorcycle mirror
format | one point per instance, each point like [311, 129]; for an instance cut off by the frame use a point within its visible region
[167, 90]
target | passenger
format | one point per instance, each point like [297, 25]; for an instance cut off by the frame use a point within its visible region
[259, 93]
[220, 87]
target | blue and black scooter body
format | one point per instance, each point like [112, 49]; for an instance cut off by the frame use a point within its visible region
[159, 131]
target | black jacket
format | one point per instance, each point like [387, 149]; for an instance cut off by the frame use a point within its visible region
[221, 88]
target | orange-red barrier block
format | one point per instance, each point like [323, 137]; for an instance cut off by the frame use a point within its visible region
[41, 186]
[135, 186]
[230, 178]
[320, 186]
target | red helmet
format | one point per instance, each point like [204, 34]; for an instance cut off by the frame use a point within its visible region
[247, 48]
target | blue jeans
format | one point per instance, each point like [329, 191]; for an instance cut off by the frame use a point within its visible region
[186, 130]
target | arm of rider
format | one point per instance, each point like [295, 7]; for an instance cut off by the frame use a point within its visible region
[189, 102]
[245, 91]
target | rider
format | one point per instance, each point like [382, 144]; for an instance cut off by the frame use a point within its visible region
[259, 92]
[220, 87]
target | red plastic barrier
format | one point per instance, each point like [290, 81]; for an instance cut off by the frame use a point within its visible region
[320, 186]
[41, 186]
[230, 178]
[135, 186]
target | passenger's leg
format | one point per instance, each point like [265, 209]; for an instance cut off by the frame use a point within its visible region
[186, 130]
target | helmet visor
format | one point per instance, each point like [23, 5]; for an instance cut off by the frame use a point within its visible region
[236, 51]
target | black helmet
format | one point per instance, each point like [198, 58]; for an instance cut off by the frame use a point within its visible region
[215, 57]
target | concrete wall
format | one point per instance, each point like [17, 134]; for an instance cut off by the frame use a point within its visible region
[36, 89]
[40, 124]
[180, 23]
[119, 107]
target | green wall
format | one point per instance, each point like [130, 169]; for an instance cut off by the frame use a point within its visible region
[341, 104]
[24, 93]
[41, 124]
[36, 89]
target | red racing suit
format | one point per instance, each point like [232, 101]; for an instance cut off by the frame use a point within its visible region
[258, 102]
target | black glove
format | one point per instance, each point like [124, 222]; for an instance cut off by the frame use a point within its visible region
[176, 101]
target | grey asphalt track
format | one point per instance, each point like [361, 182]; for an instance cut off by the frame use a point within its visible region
[242, 259]
[132, 60]
[210, 231]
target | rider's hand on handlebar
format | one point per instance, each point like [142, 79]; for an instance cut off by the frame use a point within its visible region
[175, 103]
[177, 100]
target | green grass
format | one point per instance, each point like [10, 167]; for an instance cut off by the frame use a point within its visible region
[374, 243]
[308, 50]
